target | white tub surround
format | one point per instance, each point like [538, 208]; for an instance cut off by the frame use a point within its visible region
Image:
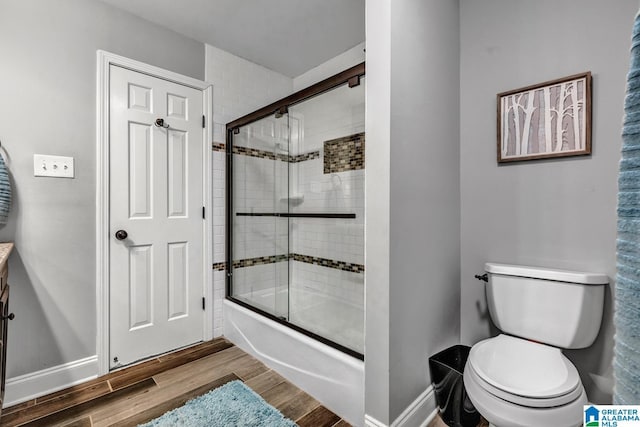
[332, 377]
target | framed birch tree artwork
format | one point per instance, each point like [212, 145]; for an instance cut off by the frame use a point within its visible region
[550, 119]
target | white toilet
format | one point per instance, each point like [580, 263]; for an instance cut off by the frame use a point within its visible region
[520, 378]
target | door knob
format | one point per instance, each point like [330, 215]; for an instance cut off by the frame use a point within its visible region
[161, 124]
[121, 235]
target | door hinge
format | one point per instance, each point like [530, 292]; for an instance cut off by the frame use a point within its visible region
[203, 217]
[203, 303]
[203, 120]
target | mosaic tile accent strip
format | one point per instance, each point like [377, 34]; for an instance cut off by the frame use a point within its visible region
[325, 262]
[263, 154]
[220, 266]
[218, 146]
[303, 157]
[249, 262]
[344, 154]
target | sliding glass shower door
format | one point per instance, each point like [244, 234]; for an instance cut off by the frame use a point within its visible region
[260, 240]
[326, 287]
[296, 215]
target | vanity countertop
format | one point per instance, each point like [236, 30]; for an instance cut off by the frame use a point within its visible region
[5, 251]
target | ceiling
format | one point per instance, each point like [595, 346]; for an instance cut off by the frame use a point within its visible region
[287, 36]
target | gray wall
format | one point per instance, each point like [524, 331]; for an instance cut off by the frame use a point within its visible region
[556, 213]
[377, 199]
[425, 192]
[48, 98]
[413, 211]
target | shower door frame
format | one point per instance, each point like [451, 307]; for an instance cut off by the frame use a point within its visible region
[350, 76]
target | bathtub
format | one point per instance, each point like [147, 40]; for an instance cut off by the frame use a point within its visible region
[332, 377]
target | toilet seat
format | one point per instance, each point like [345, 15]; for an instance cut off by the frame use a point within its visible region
[502, 413]
[524, 372]
[503, 380]
[530, 402]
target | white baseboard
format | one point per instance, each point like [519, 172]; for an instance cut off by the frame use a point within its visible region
[29, 386]
[418, 414]
[369, 421]
[431, 417]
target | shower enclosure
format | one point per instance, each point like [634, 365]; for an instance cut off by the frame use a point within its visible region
[295, 211]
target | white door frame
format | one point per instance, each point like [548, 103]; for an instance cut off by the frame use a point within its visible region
[105, 60]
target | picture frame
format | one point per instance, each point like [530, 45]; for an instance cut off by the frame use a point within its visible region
[528, 126]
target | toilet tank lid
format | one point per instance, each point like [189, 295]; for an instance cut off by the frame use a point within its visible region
[547, 274]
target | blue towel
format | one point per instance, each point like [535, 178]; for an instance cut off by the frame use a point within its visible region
[626, 363]
[5, 193]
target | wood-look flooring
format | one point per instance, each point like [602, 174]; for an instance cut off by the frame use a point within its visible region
[145, 391]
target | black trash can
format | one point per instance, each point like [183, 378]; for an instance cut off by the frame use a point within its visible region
[446, 368]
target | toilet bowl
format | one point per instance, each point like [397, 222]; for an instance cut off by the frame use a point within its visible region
[520, 378]
[513, 382]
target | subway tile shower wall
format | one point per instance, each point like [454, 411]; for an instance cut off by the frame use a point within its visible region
[239, 87]
[270, 183]
[327, 118]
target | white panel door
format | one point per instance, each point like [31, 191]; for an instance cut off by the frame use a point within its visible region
[156, 198]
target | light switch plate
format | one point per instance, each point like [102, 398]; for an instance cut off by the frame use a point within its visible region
[55, 166]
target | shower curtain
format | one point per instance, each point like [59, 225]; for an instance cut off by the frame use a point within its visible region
[626, 365]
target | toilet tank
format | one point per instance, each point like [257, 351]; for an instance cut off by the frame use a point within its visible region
[557, 307]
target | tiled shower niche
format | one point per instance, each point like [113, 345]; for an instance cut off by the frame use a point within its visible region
[344, 154]
[296, 216]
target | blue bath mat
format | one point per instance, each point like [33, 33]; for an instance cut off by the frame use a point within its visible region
[233, 404]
